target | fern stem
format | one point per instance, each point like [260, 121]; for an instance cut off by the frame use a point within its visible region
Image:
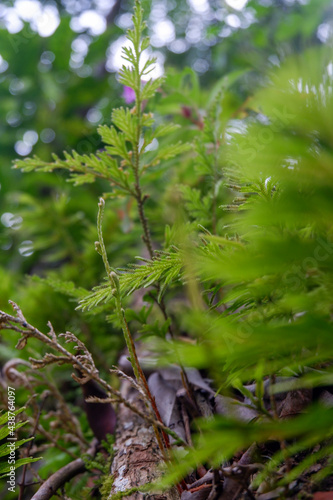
[101, 246]
[138, 372]
[140, 198]
[143, 219]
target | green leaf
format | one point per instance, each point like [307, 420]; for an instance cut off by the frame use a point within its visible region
[117, 141]
[100, 295]
[79, 179]
[127, 123]
[6, 468]
[127, 77]
[171, 151]
[148, 66]
[165, 129]
[198, 206]
[151, 87]
[5, 431]
[4, 417]
[164, 269]
[128, 55]
[83, 168]
[66, 287]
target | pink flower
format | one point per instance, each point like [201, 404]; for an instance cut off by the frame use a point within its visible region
[128, 95]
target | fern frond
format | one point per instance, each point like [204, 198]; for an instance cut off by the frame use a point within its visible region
[86, 168]
[66, 287]
[168, 152]
[117, 142]
[126, 122]
[151, 87]
[9, 429]
[101, 294]
[164, 269]
[127, 77]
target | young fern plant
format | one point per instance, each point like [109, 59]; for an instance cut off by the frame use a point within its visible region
[123, 163]
[126, 157]
[139, 375]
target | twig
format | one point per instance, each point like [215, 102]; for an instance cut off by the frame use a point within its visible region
[63, 475]
[90, 371]
[140, 198]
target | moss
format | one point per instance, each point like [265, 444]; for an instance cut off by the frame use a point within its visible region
[105, 488]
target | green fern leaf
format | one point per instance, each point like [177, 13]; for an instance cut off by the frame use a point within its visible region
[127, 77]
[171, 151]
[150, 88]
[100, 295]
[117, 142]
[124, 120]
[165, 129]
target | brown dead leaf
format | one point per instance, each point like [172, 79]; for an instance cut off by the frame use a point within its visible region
[295, 403]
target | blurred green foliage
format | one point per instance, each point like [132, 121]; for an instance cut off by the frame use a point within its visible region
[242, 221]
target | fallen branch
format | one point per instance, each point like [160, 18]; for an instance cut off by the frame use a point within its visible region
[63, 475]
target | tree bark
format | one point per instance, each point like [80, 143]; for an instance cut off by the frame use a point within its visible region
[137, 456]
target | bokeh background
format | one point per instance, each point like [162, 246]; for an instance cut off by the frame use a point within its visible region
[58, 82]
[58, 76]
